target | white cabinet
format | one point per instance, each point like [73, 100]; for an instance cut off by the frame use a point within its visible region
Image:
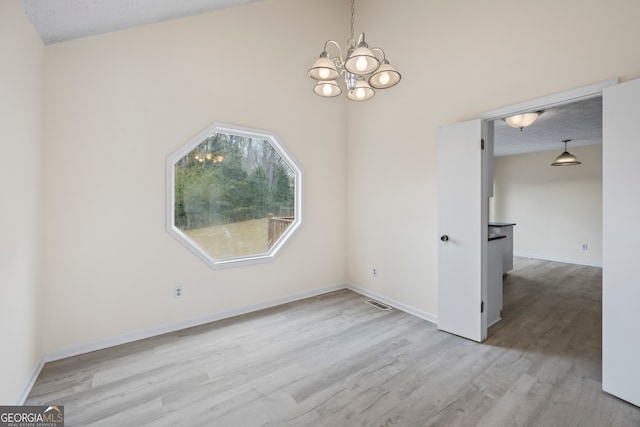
[494, 278]
[505, 228]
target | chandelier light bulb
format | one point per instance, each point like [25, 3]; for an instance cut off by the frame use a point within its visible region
[361, 92]
[323, 73]
[361, 64]
[384, 78]
[326, 89]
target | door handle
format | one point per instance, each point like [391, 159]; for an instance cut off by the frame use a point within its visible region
[444, 238]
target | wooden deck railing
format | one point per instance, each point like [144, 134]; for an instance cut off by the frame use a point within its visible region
[277, 226]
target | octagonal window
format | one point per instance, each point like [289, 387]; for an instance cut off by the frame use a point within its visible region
[234, 195]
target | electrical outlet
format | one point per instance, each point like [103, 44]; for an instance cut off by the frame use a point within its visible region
[177, 291]
[374, 272]
[585, 247]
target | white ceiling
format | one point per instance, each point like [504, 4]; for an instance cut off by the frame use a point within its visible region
[581, 122]
[62, 20]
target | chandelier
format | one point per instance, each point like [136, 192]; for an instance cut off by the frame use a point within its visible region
[362, 71]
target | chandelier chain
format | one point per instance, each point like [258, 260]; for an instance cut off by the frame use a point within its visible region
[352, 20]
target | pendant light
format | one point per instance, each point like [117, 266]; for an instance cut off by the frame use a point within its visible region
[566, 158]
[362, 70]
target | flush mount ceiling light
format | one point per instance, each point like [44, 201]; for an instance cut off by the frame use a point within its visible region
[363, 72]
[521, 121]
[566, 158]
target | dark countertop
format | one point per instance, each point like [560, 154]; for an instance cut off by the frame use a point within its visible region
[495, 236]
[501, 224]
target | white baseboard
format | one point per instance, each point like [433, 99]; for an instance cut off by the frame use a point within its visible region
[27, 388]
[182, 324]
[565, 260]
[400, 306]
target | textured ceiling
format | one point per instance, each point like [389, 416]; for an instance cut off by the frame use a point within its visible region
[581, 122]
[62, 20]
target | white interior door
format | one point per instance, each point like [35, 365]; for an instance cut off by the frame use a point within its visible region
[620, 237]
[462, 230]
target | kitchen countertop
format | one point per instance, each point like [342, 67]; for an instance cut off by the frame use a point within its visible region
[501, 224]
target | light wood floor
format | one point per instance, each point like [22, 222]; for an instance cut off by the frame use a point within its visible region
[335, 361]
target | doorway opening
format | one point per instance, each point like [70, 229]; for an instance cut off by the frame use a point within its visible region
[557, 210]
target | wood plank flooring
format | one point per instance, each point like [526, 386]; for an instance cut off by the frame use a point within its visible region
[335, 361]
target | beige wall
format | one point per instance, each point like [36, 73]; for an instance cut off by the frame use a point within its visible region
[557, 209]
[21, 55]
[458, 59]
[118, 104]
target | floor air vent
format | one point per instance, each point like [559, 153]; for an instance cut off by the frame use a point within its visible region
[377, 304]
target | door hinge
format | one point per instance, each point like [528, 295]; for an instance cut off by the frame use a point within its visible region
[482, 307]
[482, 144]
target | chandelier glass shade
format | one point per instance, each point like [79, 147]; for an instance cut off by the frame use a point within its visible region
[384, 77]
[362, 60]
[361, 92]
[361, 70]
[329, 88]
[324, 69]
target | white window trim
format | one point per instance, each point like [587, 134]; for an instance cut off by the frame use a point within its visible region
[170, 201]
